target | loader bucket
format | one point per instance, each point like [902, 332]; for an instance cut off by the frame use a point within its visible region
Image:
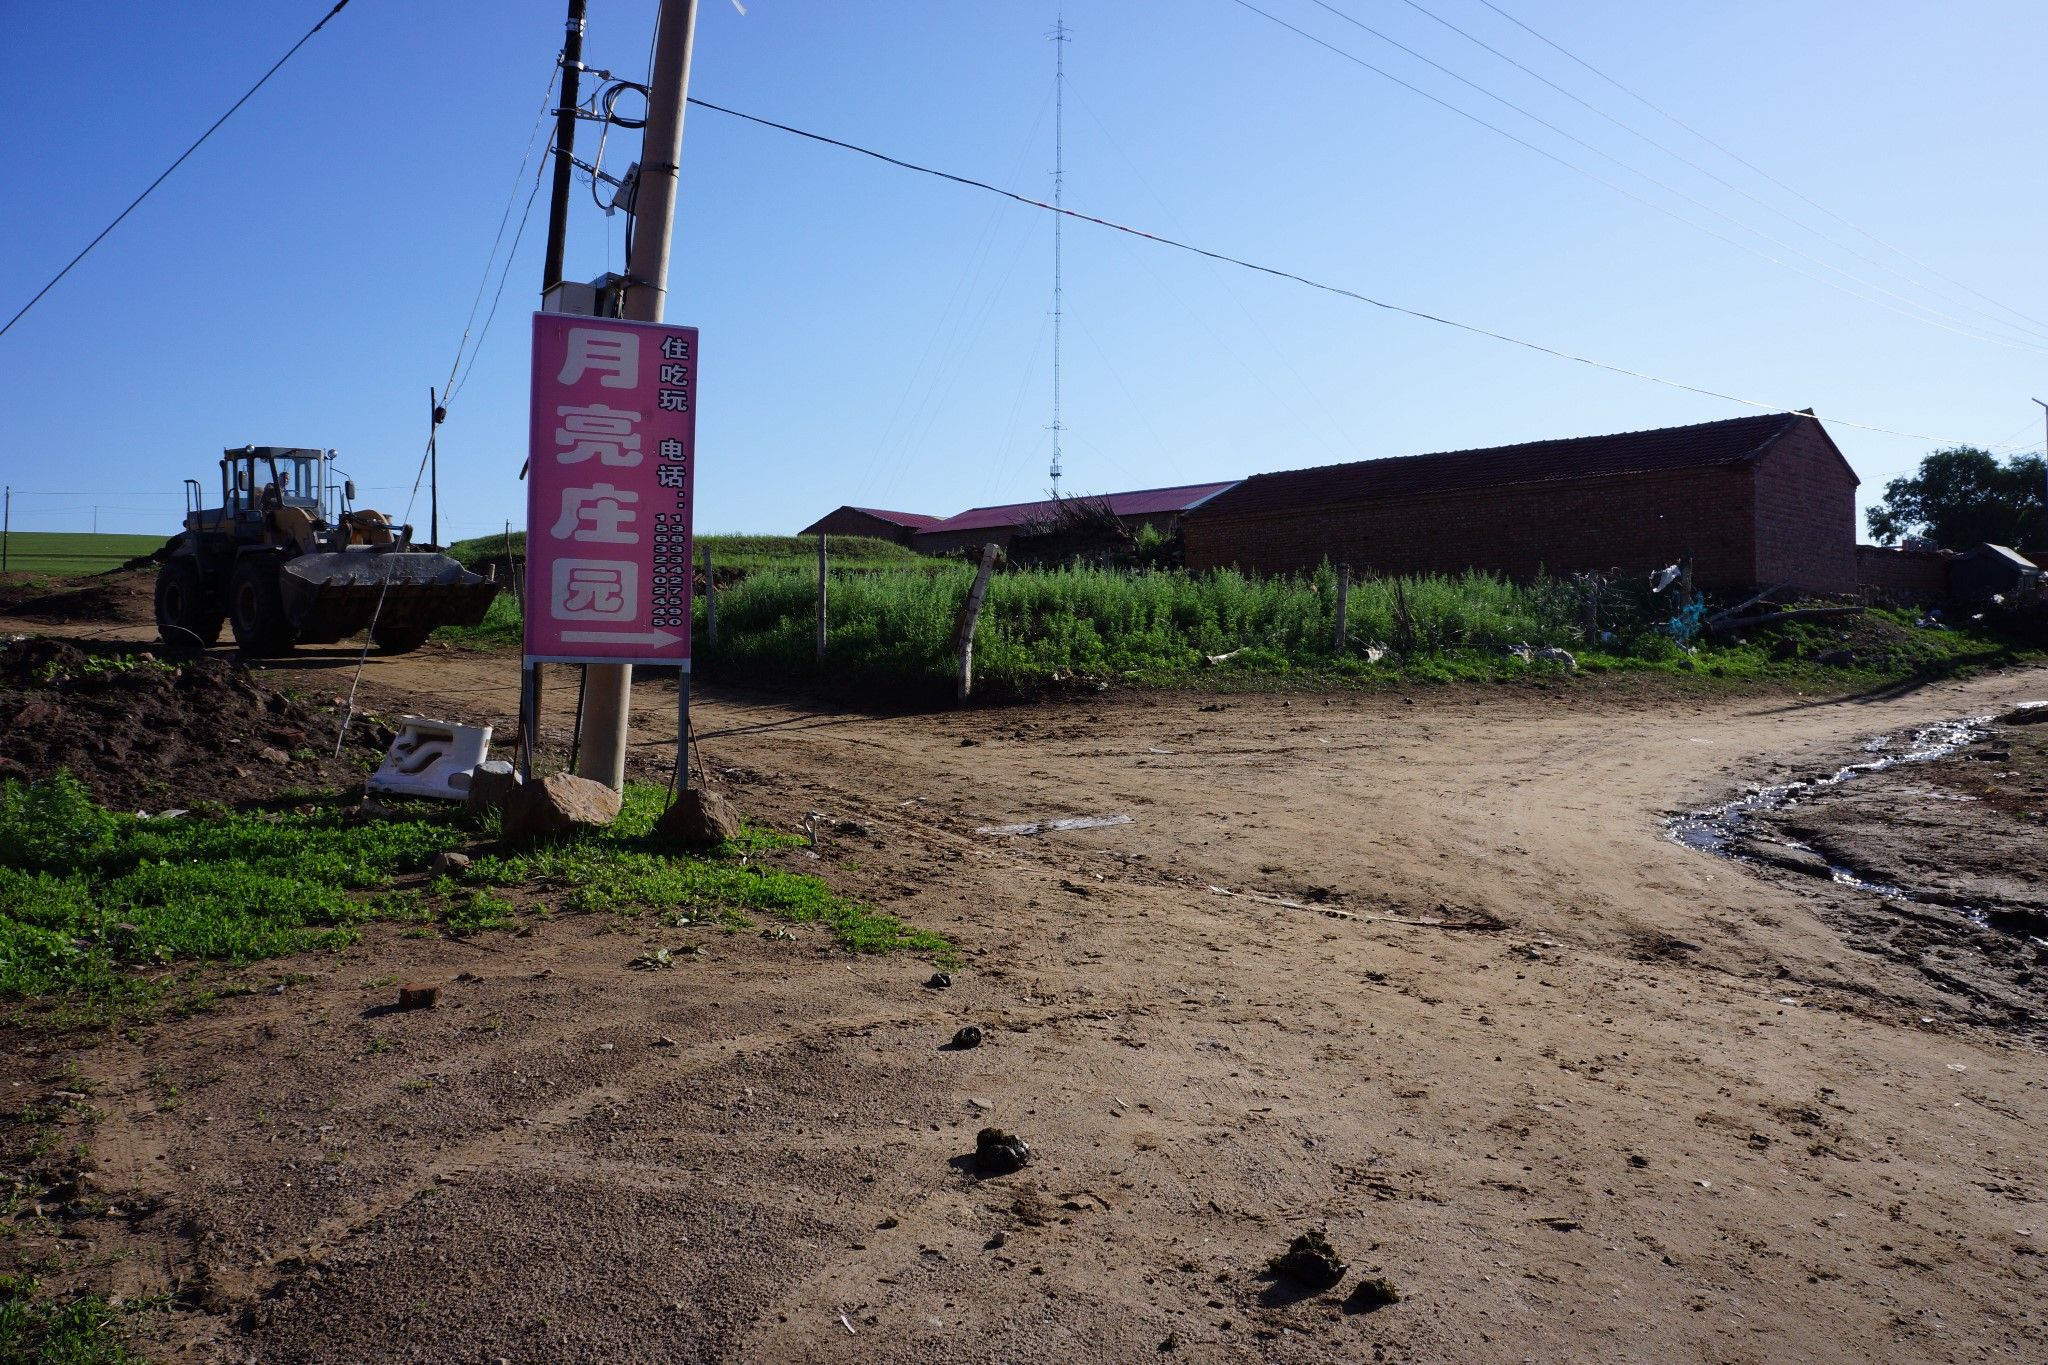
[332, 596]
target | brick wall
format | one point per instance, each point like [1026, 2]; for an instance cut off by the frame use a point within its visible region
[1806, 513]
[1635, 522]
[1904, 575]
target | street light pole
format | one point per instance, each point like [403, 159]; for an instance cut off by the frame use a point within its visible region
[608, 698]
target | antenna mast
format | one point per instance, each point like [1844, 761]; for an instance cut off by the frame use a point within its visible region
[1059, 180]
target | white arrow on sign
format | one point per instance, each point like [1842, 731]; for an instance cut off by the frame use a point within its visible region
[657, 638]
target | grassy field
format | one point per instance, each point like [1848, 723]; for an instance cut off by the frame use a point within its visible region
[62, 553]
[729, 554]
[1050, 628]
[106, 917]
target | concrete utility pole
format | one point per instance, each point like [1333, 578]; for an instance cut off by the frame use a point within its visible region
[608, 699]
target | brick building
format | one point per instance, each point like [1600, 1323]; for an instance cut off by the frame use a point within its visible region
[1753, 500]
[869, 521]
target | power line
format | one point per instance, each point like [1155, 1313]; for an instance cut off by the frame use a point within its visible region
[338, 7]
[1354, 58]
[1674, 153]
[1750, 165]
[1280, 273]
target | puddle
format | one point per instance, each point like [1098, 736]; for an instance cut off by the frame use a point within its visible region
[1716, 829]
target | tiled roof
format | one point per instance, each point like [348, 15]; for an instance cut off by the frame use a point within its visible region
[1578, 457]
[1144, 502]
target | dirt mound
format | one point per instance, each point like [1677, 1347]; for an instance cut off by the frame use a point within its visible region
[123, 595]
[147, 733]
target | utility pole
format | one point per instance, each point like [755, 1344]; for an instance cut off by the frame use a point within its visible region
[2044, 470]
[6, 526]
[608, 699]
[1059, 184]
[565, 143]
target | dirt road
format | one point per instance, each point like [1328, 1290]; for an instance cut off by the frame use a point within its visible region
[1664, 1113]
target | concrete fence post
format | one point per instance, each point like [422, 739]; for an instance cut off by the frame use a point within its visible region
[1343, 606]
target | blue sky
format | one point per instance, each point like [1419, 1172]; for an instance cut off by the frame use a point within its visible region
[877, 337]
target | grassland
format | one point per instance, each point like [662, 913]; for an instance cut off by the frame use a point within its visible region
[1048, 628]
[107, 917]
[730, 555]
[62, 553]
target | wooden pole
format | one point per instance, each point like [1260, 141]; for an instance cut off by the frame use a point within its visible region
[710, 601]
[1343, 605]
[970, 616]
[822, 595]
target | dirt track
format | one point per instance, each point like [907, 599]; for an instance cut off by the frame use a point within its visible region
[1665, 1113]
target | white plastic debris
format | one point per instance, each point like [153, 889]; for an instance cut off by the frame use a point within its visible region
[432, 758]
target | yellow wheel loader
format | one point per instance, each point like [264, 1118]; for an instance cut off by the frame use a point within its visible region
[286, 561]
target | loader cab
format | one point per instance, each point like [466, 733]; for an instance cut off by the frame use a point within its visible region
[256, 478]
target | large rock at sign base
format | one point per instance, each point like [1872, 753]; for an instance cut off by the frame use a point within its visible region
[558, 804]
[699, 818]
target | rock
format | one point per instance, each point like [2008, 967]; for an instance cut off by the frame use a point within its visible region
[1376, 1292]
[966, 1038]
[699, 818]
[273, 755]
[1791, 857]
[490, 784]
[416, 995]
[1309, 1261]
[999, 1153]
[2026, 713]
[1558, 656]
[449, 864]
[559, 804]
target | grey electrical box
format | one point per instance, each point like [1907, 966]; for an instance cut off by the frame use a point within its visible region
[603, 297]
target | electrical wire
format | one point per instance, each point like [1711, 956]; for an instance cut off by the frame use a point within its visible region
[1672, 214]
[1752, 166]
[134, 203]
[1674, 153]
[1279, 273]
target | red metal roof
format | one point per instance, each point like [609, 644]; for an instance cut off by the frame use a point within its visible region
[1144, 502]
[1579, 457]
[916, 521]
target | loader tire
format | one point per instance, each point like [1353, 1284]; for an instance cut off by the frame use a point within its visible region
[185, 614]
[399, 639]
[256, 609]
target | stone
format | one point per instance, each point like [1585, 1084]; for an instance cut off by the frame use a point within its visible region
[490, 784]
[273, 755]
[559, 803]
[699, 818]
[999, 1153]
[416, 995]
[1309, 1261]
[449, 864]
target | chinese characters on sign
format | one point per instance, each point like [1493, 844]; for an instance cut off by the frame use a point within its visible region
[613, 450]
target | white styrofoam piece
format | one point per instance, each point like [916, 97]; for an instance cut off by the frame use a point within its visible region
[432, 758]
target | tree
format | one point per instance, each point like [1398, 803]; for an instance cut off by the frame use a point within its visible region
[1963, 496]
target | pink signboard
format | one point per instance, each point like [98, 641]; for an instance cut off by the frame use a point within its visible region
[613, 467]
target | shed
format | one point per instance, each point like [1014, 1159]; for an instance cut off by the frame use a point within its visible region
[869, 521]
[1159, 508]
[1751, 500]
[1976, 575]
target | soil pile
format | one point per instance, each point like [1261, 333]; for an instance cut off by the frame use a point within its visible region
[147, 733]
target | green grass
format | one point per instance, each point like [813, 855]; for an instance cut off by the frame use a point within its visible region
[63, 553]
[106, 917]
[37, 1331]
[892, 629]
[729, 554]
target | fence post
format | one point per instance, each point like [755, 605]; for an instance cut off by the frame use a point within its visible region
[512, 569]
[821, 598]
[710, 601]
[1593, 584]
[1343, 605]
[970, 615]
